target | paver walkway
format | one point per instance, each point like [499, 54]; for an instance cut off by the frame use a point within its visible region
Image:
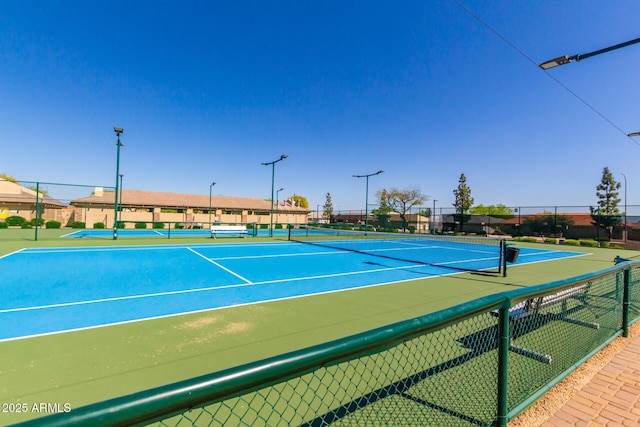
[611, 398]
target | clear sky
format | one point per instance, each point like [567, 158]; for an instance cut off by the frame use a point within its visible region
[425, 90]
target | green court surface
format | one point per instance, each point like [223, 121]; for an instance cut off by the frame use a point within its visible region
[85, 366]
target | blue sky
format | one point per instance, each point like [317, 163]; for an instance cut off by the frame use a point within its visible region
[207, 91]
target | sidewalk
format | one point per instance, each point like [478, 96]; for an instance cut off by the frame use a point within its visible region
[605, 391]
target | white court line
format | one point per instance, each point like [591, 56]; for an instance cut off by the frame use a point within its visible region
[210, 288]
[335, 252]
[144, 247]
[12, 253]
[221, 266]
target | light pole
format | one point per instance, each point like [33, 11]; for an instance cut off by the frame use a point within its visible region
[118, 132]
[434, 216]
[120, 199]
[278, 201]
[625, 207]
[273, 170]
[210, 189]
[565, 59]
[366, 203]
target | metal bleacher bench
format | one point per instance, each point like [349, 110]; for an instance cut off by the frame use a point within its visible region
[226, 230]
[528, 316]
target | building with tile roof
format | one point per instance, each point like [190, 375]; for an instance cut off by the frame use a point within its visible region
[16, 199]
[150, 206]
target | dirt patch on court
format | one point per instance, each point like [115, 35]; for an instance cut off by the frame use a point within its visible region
[537, 414]
[200, 323]
[216, 325]
[206, 329]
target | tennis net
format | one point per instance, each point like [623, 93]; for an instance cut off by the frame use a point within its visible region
[460, 253]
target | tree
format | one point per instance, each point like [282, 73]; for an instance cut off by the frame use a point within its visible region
[327, 209]
[6, 177]
[496, 211]
[401, 201]
[607, 214]
[383, 212]
[300, 201]
[463, 202]
[548, 223]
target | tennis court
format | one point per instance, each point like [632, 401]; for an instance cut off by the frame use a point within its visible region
[54, 290]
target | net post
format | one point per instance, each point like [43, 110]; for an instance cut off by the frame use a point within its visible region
[289, 233]
[503, 257]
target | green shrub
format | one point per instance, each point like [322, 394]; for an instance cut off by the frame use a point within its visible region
[15, 220]
[571, 242]
[177, 226]
[4, 225]
[590, 243]
[52, 224]
[98, 225]
[25, 225]
[40, 222]
[264, 226]
[78, 224]
[278, 226]
[158, 225]
[121, 224]
[141, 225]
[525, 239]
[550, 240]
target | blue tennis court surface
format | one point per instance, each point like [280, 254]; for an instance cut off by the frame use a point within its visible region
[62, 289]
[191, 232]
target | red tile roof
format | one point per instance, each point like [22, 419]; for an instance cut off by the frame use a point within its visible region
[178, 200]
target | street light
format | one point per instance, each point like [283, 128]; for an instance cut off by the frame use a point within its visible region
[210, 188]
[434, 216]
[118, 132]
[625, 207]
[366, 203]
[120, 199]
[565, 59]
[278, 201]
[273, 167]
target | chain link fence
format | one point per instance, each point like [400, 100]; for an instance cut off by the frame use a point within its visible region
[564, 222]
[476, 364]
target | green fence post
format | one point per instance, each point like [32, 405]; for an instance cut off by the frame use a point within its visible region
[37, 209]
[626, 301]
[503, 364]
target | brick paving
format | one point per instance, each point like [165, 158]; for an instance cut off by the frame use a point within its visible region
[611, 398]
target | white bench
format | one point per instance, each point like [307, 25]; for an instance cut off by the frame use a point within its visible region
[530, 311]
[239, 230]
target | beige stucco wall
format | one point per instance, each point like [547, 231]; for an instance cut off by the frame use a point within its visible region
[92, 215]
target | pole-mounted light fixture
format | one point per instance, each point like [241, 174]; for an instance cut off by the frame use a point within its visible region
[273, 165]
[118, 132]
[366, 197]
[565, 59]
[210, 188]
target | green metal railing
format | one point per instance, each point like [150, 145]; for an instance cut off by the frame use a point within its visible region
[477, 364]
